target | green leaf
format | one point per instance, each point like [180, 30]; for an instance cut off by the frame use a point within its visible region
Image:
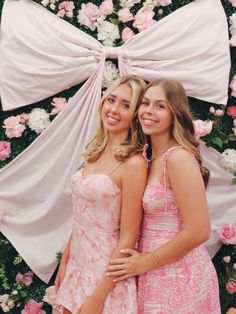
[17, 260]
[217, 141]
[114, 20]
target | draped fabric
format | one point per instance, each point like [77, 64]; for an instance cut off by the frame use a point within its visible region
[42, 55]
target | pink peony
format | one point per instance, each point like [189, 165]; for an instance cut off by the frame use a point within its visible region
[227, 233]
[106, 7]
[232, 85]
[163, 2]
[88, 15]
[66, 8]
[231, 287]
[1, 216]
[233, 2]
[33, 307]
[144, 19]
[13, 127]
[127, 33]
[5, 150]
[27, 278]
[231, 111]
[125, 15]
[59, 103]
[202, 128]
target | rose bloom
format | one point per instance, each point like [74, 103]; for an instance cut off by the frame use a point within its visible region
[106, 7]
[5, 150]
[231, 287]
[226, 259]
[202, 128]
[14, 128]
[164, 2]
[126, 34]
[144, 19]
[88, 15]
[231, 111]
[33, 307]
[26, 278]
[227, 233]
[59, 103]
[233, 2]
[125, 15]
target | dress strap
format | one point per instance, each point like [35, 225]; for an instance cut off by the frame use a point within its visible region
[164, 163]
[113, 169]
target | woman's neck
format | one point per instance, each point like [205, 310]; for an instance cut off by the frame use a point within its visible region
[115, 139]
[161, 144]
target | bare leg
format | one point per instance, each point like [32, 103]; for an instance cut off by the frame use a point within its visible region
[65, 311]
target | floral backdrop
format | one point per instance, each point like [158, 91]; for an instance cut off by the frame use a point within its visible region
[113, 23]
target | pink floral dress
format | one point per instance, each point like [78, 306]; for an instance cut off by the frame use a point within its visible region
[188, 286]
[97, 206]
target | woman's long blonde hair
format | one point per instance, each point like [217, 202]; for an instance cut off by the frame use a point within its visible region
[135, 139]
[182, 129]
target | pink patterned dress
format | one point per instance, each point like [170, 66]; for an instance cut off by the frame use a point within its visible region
[97, 206]
[188, 286]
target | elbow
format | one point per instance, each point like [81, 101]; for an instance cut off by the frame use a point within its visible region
[202, 236]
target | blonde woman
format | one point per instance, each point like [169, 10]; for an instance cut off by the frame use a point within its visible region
[176, 273]
[107, 195]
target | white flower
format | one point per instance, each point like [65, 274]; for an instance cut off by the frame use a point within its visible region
[45, 2]
[52, 6]
[38, 120]
[11, 304]
[107, 33]
[4, 298]
[232, 21]
[128, 3]
[14, 292]
[5, 308]
[228, 160]
[110, 74]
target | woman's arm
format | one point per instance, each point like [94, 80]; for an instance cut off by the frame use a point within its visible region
[186, 181]
[134, 172]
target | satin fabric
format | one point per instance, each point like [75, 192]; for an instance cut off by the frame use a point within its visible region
[41, 55]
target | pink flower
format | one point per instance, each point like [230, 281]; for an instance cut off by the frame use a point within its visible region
[127, 33]
[26, 278]
[24, 117]
[232, 85]
[144, 19]
[233, 2]
[88, 15]
[125, 15]
[50, 297]
[202, 128]
[232, 41]
[33, 307]
[2, 214]
[231, 111]
[61, 13]
[231, 287]
[212, 110]
[226, 259]
[13, 127]
[66, 8]
[5, 150]
[219, 113]
[227, 233]
[164, 2]
[59, 103]
[106, 7]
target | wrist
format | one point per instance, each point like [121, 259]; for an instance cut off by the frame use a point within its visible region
[151, 261]
[98, 297]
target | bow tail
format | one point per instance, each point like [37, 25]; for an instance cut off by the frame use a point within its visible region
[35, 187]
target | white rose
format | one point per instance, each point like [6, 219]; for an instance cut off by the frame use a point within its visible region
[232, 21]
[45, 2]
[38, 120]
[228, 160]
[110, 74]
[5, 308]
[14, 292]
[107, 33]
[4, 298]
[11, 304]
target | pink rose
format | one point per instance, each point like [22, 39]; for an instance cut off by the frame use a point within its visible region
[5, 150]
[212, 110]
[61, 13]
[13, 127]
[226, 259]
[144, 19]
[202, 128]
[164, 2]
[24, 117]
[33, 307]
[125, 15]
[66, 8]
[231, 111]
[26, 278]
[219, 113]
[59, 103]
[233, 2]
[127, 33]
[106, 7]
[88, 15]
[232, 41]
[231, 287]
[227, 233]
[2, 214]
[232, 85]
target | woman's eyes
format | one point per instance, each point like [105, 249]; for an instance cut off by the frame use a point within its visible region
[125, 106]
[110, 100]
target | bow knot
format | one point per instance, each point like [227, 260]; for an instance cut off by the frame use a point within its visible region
[111, 52]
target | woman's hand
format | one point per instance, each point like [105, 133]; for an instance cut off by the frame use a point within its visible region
[60, 275]
[133, 265]
[91, 305]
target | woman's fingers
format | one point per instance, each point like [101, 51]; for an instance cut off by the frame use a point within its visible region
[115, 261]
[116, 273]
[128, 251]
[122, 278]
[116, 267]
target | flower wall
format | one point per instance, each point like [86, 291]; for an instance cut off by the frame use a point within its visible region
[113, 23]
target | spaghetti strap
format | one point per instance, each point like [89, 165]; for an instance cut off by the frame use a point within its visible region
[164, 162]
[113, 169]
